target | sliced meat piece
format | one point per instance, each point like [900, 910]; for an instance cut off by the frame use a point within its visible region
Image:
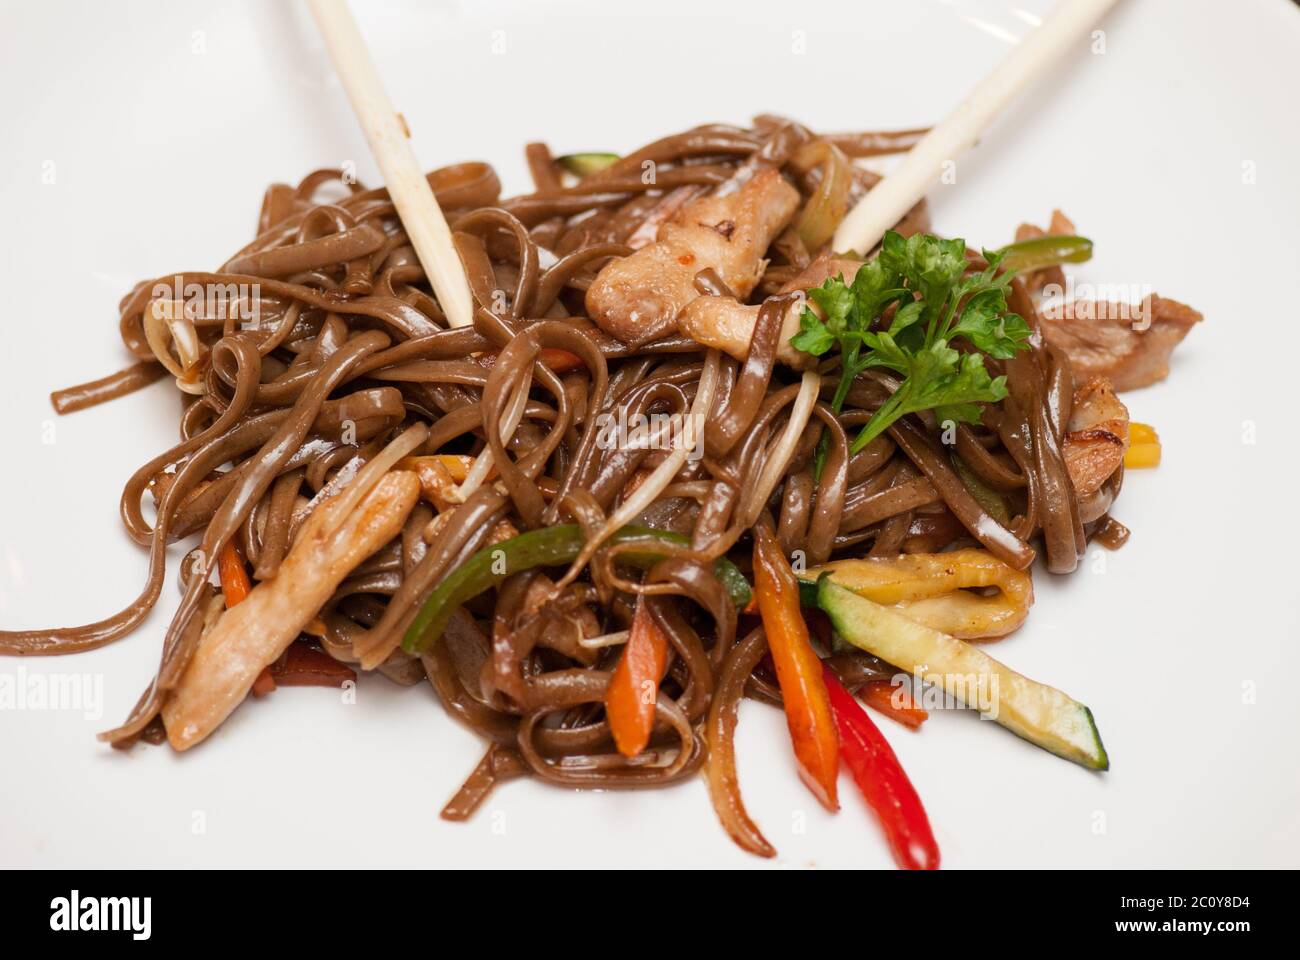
[728, 325]
[1097, 436]
[663, 211]
[252, 635]
[637, 299]
[1061, 225]
[1128, 345]
[823, 267]
[723, 323]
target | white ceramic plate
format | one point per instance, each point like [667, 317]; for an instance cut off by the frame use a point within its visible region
[138, 139]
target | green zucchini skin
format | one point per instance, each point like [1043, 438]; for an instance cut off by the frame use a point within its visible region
[1043, 715]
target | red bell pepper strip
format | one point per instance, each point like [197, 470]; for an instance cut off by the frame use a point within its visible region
[798, 670]
[894, 702]
[304, 666]
[630, 699]
[882, 781]
[264, 684]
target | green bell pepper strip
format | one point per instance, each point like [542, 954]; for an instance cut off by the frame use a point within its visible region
[1045, 252]
[585, 164]
[547, 547]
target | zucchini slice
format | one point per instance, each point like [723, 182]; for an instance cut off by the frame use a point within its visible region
[1040, 714]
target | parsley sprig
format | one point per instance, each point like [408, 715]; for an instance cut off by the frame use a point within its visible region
[936, 303]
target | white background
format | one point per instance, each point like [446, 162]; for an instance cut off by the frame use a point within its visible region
[161, 124]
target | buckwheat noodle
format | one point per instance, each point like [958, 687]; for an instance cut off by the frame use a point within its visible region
[349, 348]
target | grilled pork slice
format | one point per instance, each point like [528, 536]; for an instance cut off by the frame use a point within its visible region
[1128, 345]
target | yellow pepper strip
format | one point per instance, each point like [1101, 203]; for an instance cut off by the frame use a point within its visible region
[934, 589]
[1142, 433]
[1144, 447]
[1141, 455]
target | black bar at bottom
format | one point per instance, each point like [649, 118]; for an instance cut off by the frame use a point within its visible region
[207, 909]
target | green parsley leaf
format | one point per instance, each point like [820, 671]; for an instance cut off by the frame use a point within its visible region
[936, 301]
[836, 301]
[875, 288]
[814, 336]
[905, 316]
[984, 321]
[958, 413]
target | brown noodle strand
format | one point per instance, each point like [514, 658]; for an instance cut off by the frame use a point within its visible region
[327, 343]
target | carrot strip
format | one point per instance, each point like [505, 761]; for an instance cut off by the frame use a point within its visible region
[560, 361]
[798, 669]
[235, 585]
[630, 699]
[556, 359]
[895, 703]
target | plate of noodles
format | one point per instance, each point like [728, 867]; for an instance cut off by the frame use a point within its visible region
[707, 543]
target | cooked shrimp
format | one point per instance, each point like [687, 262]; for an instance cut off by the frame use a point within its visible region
[638, 298]
[1097, 436]
[339, 535]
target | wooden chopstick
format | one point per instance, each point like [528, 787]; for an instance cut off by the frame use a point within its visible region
[886, 203]
[389, 141]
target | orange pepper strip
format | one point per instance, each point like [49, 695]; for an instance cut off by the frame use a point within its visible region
[630, 699]
[881, 695]
[798, 669]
